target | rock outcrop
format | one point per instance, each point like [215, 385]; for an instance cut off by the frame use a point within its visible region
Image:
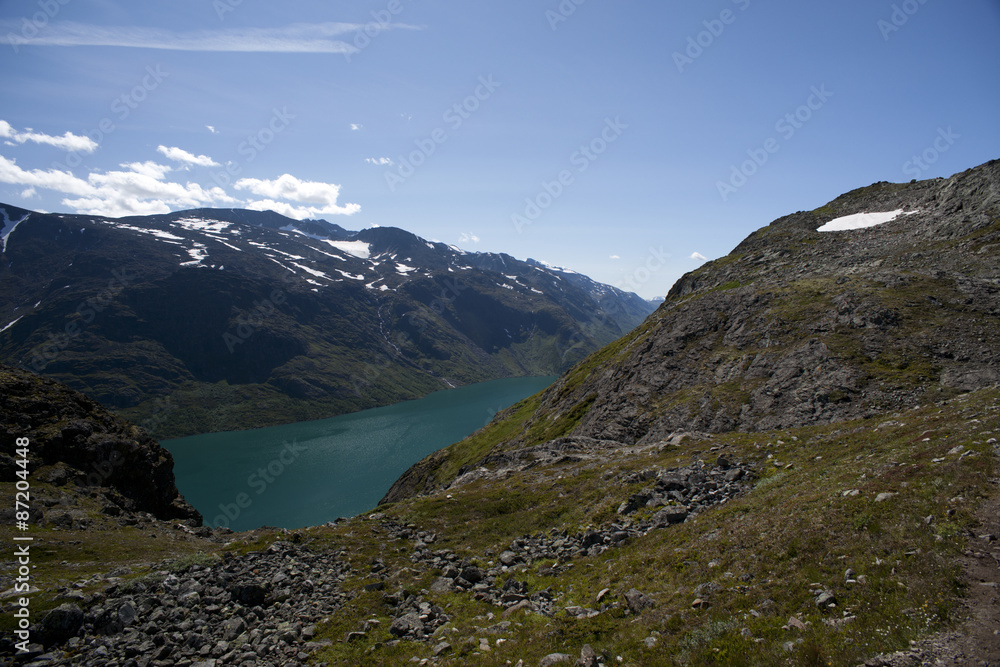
[795, 327]
[79, 443]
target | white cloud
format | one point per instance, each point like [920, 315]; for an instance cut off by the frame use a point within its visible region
[294, 38]
[356, 126]
[698, 256]
[614, 257]
[50, 179]
[211, 128]
[139, 191]
[323, 196]
[151, 169]
[29, 193]
[67, 142]
[181, 155]
[468, 237]
[380, 161]
[284, 208]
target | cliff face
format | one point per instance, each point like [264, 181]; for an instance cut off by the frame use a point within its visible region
[79, 443]
[794, 327]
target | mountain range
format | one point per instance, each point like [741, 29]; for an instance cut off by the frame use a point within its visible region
[223, 319]
[793, 461]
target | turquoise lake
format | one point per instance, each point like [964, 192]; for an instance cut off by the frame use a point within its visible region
[308, 473]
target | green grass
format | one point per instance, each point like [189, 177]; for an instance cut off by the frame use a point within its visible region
[794, 530]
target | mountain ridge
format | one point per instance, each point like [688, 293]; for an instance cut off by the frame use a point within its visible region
[228, 318]
[793, 327]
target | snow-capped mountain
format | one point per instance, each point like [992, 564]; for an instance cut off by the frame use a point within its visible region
[217, 319]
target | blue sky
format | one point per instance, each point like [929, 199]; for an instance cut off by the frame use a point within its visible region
[626, 140]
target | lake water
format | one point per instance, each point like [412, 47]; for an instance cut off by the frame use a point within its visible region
[308, 473]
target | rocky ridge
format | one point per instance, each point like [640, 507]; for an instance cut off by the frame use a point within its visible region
[794, 327]
[82, 445]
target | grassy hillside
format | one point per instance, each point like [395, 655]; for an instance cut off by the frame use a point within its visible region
[736, 584]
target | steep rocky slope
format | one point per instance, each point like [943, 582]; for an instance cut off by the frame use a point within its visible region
[794, 327]
[76, 444]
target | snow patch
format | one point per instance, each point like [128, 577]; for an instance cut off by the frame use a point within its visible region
[359, 249]
[360, 276]
[318, 274]
[862, 220]
[294, 229]
[560, 269]
[286, 254]
[164, 236]
[8, 227]
[202, 225]
[336, 257]
[403, 269]
[198, 253]
[228, 245]
[280, 264]
[11, 324]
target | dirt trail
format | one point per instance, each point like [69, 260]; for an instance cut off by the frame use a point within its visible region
[977, 641]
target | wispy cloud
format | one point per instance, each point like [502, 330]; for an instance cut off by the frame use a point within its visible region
[356, 126]
[181, 155]
[211, 128]
[614, 257]
[698, 256]
[294, 38]
[466, 237]
[380, 161]
[67, 142]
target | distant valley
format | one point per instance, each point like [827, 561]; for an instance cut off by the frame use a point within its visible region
[222, 319]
